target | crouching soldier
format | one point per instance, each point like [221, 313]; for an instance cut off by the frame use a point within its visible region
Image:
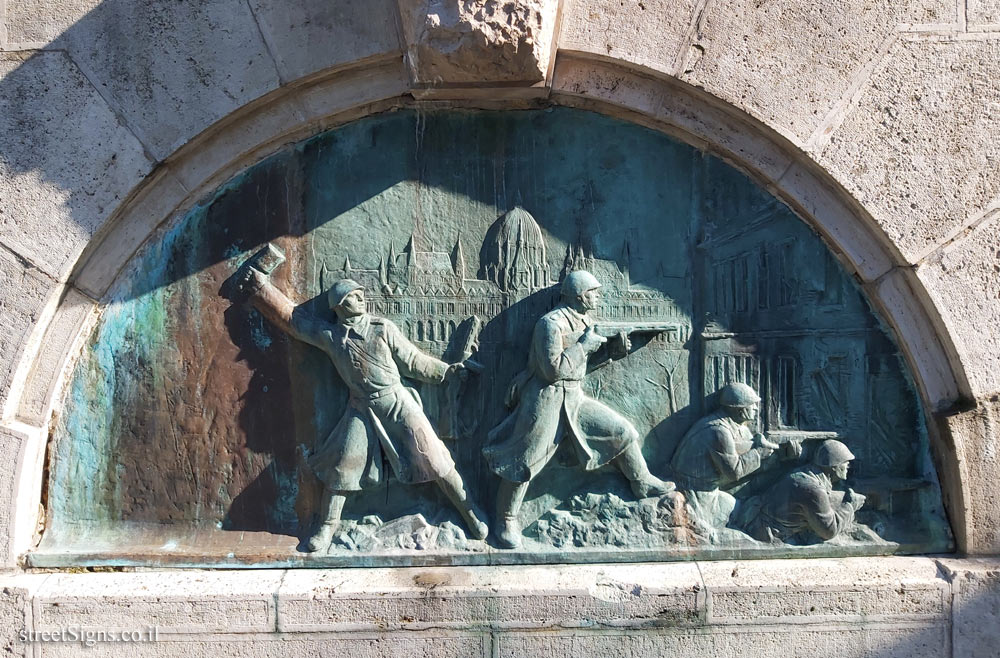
[716, 452]
[803, 505]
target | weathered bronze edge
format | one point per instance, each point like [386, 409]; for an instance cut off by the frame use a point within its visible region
[492, 557]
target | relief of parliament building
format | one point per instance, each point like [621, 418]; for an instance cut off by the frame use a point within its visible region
[428, 294]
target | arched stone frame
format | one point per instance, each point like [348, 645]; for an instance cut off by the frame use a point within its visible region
[599, 85]
[633, 39]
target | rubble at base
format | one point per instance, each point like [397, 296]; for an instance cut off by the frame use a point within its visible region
[607, 520]
[410, 532]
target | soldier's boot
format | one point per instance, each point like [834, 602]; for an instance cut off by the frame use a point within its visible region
[333, 506]
[508, 532]
[644, 484]
[454, 488]
[509, 498]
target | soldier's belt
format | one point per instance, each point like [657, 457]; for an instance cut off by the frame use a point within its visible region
[371, 397]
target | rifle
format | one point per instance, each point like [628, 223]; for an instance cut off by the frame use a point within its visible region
[611, 328]
[790, 441]
[787, 436]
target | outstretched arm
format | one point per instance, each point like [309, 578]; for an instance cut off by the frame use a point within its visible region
[280, 310]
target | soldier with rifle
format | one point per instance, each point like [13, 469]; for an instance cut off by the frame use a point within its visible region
[719, 450]
[550, 407]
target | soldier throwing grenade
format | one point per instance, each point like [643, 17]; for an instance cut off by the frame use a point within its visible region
[383, 417]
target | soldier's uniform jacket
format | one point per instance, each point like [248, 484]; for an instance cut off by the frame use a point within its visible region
[801, 502]
[383, 417]
[716, 451]
[552, 406]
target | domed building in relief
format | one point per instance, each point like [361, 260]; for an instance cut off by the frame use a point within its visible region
[516, 259]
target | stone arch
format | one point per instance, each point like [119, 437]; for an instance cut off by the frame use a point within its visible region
[665, 105]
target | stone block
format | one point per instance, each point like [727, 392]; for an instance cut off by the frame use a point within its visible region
[848, 590]
[41, 21]
[895, 641]
[642, 32]
[66, 162]
[788, 64]
[173, 602]
[172, 69]
[411, 645]
[586, 83]
[15, 612]
[919, 150]
[24, 292]
[963, 280]
[313, 35]
[12, 446]
[490, 597]
[14, 608]
[56, 346]
[477, 41]
[977, 433]
[977, 606]
[106, 255]
[898, 298]
[210, 153]
[983, 12]
[354, 89]
[23, 472]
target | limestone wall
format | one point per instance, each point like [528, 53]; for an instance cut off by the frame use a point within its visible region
[878, 122]
[854, 608]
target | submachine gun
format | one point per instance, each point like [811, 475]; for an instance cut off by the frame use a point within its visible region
[611, 328]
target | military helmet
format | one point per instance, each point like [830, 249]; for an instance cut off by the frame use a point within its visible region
[578, 282]
[832, 453]
[340, 290]
[738, 395]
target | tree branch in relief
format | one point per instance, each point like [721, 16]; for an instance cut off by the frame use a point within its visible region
[669, 371]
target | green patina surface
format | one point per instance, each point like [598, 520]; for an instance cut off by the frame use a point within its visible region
[188, 413]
